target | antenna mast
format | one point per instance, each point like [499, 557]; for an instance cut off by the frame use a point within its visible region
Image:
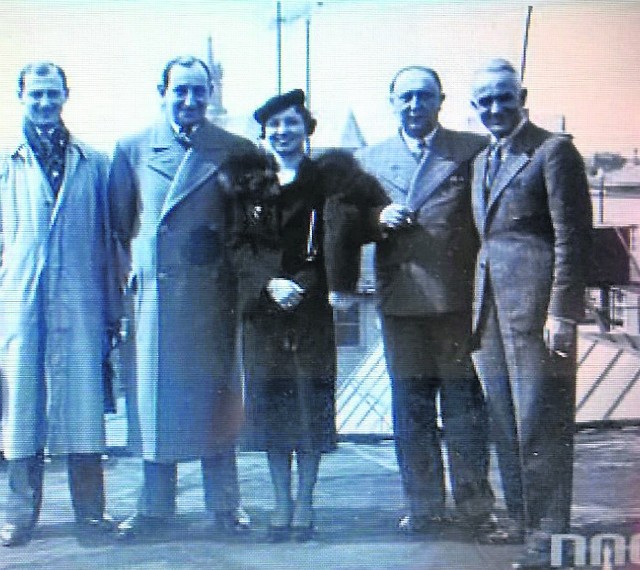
[523, 62]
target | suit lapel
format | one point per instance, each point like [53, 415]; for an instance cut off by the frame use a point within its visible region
[517, 157]
[511, 165]
[437, 165]
[396, 169]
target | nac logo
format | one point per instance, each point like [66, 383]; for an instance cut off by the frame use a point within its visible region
[608, 550]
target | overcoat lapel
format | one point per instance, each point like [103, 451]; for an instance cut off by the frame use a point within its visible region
[185, 171]
[193, 170]
[72, 159]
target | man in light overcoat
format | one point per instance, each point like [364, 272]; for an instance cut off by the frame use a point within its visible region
[533, 212]
[172, 221]
[425, 252]
[58, 301]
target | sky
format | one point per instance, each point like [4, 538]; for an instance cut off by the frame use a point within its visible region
[582, 61]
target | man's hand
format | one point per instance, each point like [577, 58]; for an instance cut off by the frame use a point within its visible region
[342, 301]
[396, 216]
[286, 293]
[560, 336]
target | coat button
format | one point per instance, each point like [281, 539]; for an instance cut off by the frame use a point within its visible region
[162, 275]
[164, 228]
[483, 265]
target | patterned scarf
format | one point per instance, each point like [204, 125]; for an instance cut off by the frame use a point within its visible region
[49, 146]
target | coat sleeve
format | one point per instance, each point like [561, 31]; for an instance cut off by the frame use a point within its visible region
[570, 210]
[114, 305]
[122, 197]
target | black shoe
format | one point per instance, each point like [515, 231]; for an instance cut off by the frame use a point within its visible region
[14, 535]
[537, 553]
[488, 529]
[139, 525]
[236, 521]
[104, 524]
[422, 524]
[302, 533]
[276, 534]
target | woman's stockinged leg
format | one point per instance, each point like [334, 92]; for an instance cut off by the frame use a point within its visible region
[308, 466]
[280, 469]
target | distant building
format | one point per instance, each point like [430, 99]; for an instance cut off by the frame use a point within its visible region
[215, 110]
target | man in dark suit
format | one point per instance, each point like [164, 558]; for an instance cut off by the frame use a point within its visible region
[533, 213]
[424, 262]
[171, 219]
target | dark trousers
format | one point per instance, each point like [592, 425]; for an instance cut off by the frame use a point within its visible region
[26, 477]
[219, 481]
[426, 357]
[531, 397]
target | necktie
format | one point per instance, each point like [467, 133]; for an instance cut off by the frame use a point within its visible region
[422, 148]
[184, 137]
[494, 158]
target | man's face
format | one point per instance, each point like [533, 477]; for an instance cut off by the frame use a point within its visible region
[416, 101]
[285, 132]
[42, 98]
[187, 95]
[498, 99]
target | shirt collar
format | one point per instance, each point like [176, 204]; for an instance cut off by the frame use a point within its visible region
[505, 142]
[177, 129]
[414, 144]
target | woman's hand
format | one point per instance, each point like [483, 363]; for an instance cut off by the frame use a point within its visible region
[286, 293]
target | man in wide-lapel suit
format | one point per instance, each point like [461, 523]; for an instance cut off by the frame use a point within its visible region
[170, 219]
[533, 213]
[424, 264]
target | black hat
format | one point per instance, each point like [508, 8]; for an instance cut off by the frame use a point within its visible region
[277, 104]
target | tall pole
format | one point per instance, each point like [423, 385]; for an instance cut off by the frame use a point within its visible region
[308, 60]
[523, 62]
[307, 68]
[279, 43]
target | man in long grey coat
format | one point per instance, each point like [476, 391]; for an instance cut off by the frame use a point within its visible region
[533, 213]
[56, 307]
[170, 218]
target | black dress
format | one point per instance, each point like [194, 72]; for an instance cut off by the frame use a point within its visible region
[289, 357]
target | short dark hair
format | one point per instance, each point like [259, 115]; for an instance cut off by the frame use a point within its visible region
[307, 118]
[42, 69]
[185, 61]
[428, 70]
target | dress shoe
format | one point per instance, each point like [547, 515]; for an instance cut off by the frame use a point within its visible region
[422, 524]
[279, 529]
[536, 554]
[302, 521]
[235, 521]
[489, 529]
[14, 535]
[104, 524]
[302, 533]
[139, 525]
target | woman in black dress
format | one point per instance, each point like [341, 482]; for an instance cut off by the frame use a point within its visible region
[296, 221]
[289, 353]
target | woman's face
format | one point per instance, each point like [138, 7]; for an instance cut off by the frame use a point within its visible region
[285, 132]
